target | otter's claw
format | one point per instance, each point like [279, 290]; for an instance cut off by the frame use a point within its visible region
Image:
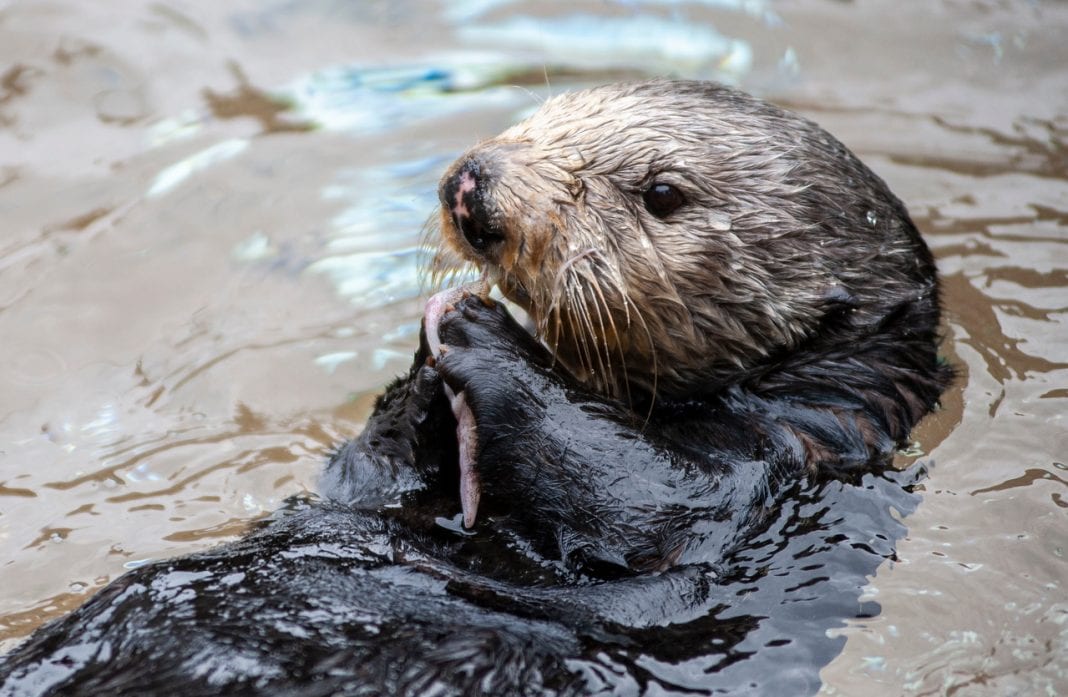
[466, 433]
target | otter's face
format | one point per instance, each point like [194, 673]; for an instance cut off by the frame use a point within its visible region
[672, 236]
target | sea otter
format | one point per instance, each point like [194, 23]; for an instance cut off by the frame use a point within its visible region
[734, 320]
[684, 242]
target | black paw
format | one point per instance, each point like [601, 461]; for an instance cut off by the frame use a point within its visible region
[488, 325]
[499, 366]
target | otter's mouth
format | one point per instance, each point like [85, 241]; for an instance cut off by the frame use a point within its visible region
[478, 234]
[466, 429]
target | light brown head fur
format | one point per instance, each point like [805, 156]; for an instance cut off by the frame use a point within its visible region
[779, 221]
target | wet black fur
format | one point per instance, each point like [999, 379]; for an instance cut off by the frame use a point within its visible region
[602, 534]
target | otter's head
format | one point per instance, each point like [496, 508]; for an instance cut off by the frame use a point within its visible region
[672, 237]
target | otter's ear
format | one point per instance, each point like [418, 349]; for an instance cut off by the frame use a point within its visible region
[838, 305]
[837, 296]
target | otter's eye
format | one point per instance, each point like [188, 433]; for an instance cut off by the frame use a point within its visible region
[662, 199]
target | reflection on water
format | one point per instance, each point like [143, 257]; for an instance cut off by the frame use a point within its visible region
[209, 265]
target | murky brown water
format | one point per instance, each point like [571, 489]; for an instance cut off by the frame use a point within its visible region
[208, 267]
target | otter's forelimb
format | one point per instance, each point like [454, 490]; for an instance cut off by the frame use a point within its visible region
[622, 497]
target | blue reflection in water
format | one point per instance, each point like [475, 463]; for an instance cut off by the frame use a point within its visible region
[642, 42]
[363, 100]
[373, 255]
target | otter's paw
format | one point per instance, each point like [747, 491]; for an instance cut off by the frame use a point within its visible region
[498, 365]
[489, 326]
[496, 376]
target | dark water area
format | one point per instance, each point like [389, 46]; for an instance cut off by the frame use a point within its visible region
[209, 265]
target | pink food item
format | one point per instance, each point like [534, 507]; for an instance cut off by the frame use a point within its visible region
[466, 435]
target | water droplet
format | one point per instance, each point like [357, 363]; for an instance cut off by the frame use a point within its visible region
[720, 220]
[872, 218]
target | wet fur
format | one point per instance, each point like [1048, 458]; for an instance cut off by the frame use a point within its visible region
[613, 535]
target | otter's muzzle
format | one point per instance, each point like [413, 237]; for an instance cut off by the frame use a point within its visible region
[464, 195]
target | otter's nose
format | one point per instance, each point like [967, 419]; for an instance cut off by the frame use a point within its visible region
[464, 195]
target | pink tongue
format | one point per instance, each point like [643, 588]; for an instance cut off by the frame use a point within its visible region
[466, 436]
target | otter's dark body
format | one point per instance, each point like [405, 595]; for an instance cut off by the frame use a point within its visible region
[357, 598]
[705, 541]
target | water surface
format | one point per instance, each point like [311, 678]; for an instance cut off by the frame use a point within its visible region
[208, 267]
